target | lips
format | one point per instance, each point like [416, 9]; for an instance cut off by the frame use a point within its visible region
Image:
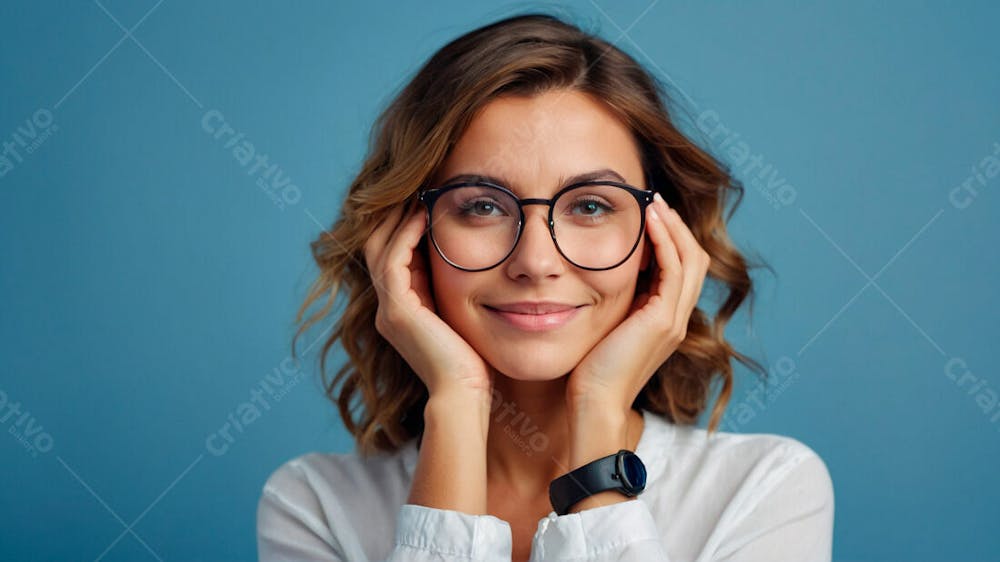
[528, 307]
[535, 316]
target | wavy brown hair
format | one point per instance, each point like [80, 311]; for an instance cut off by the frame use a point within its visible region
[522, 55]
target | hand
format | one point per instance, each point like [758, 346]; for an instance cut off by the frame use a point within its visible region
[407, 317]
[613, 373]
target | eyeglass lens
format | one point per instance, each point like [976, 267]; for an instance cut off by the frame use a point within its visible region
[596, 226]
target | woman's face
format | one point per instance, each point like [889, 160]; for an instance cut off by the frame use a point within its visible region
[535, 145]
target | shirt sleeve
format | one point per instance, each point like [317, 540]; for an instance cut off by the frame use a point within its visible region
[425, 533]
[793, 521]
[619, 531]
[292, 525]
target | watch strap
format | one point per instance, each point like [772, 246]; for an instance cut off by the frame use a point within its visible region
[594, 477]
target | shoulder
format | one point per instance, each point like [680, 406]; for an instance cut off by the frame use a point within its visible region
[688, 449]
[318, 492]
[758, 466]
[340, 475]
[310, 478]
[762, 452]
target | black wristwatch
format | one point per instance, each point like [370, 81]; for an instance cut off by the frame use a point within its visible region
[622, 471]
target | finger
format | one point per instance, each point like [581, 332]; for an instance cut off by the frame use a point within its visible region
[687, 245]
[694, 262]
[375, 246]
[668, 282]
[400, 252]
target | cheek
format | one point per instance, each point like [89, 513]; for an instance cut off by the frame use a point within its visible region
[440, 279]
[451, 289]
[618, 286]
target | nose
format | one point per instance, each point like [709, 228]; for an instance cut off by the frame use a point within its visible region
[536, 255]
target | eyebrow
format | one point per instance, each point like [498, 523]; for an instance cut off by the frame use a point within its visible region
[595, 175]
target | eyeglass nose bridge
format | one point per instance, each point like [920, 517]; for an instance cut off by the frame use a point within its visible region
[536, 201]
[551, 224]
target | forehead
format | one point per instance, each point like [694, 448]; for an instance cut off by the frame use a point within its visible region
[535, 145]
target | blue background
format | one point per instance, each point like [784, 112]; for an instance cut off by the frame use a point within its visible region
[149, 285]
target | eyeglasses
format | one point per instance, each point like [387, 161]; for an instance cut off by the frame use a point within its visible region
[595, 225]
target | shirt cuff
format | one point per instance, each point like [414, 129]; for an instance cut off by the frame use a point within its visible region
[594, 532]
[452, 533]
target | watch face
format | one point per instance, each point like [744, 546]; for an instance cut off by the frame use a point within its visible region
[634, 472]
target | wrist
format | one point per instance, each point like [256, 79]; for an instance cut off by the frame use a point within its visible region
[600, 499]
[451, 467]
[596, 434]
[459, 410]
[608, 480]
[582, 407]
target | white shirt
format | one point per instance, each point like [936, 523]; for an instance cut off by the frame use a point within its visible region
[731, 497]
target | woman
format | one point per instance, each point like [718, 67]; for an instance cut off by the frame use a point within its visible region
[522, 255]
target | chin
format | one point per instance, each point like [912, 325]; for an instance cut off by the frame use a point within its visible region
[534, 366]
[534, 376]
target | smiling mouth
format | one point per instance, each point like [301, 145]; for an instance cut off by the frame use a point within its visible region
[535, 322]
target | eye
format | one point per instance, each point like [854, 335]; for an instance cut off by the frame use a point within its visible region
[591, 206]
[481, 207]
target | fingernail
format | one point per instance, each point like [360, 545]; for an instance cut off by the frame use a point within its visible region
[659, 198]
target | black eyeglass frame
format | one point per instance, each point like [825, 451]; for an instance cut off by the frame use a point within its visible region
[642, 196]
